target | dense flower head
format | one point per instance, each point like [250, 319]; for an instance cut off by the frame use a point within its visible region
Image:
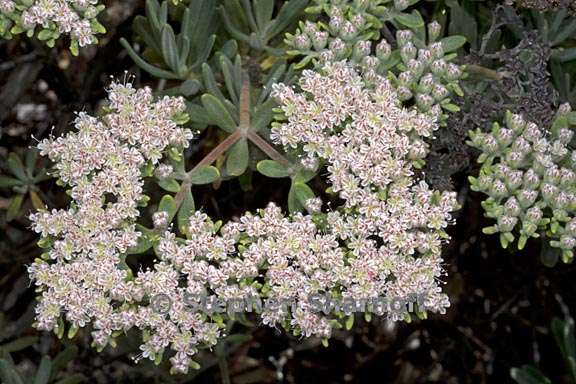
[391, 224]
[384, 241]
[76, 18]
[529, 175]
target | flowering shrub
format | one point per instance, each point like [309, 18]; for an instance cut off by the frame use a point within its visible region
[291, 165]
[529, 177]
[384, 240]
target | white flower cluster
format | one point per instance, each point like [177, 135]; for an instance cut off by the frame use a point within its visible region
[76, 18]
[384, 241]
[391, 226]
[85, 275]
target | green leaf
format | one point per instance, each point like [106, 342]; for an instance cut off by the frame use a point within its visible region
[452, 43]
[350, 322]
[197, 113]
[272, 168]
[202, 55]
[238, 338]
[43, 373]
[463, 23]
[304, 175]
[142, 27]
[263, 115]
[30, 159]
[62, 359]
[238, 156]
[190, 87]
[218, 113]
[392, 61]
[303, 193]
[229, 78]
[564, 54]
[169, 49]
[184, 47]
[210, 82]
[187, 208]
[451, 107]
[229, 49]
[9, 182]
[298, 196]
[263, 10]
[16, 166]
[204, 175]
[203, 22]
[14, 207]
[195, 365]
[19, 344]
[563, 331]
[411, 20]
[528, 375]
[549, 256]
[154, 71]
[152, 11]
[144, 243]
[565, 33]
[168, 205]
[169, 185]
[287, 14]
[8, 373]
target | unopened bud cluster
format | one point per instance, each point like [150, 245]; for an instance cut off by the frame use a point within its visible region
[50, 19]
[427, 75]
[347, 35]
[529, 175]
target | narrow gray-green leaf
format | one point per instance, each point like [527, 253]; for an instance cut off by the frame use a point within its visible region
[210, 82]
[169, 185]
[16, 166]
[8, 373]
[169, 48]
[204, 175]
[62, 359]
[287, 15]
[43, 372]
[228, 72]
[411, 20]
[152, 11]
[190, 87]
[271, 168]
[186, 210]
[154, 71]
[263, 10]
[263, 115]
[168, 205]
[14, 207]
[303, 193]
[218, 113]
[238, 157]
[452, 43]
[19, 344]
[9, 182]
[528, 375]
